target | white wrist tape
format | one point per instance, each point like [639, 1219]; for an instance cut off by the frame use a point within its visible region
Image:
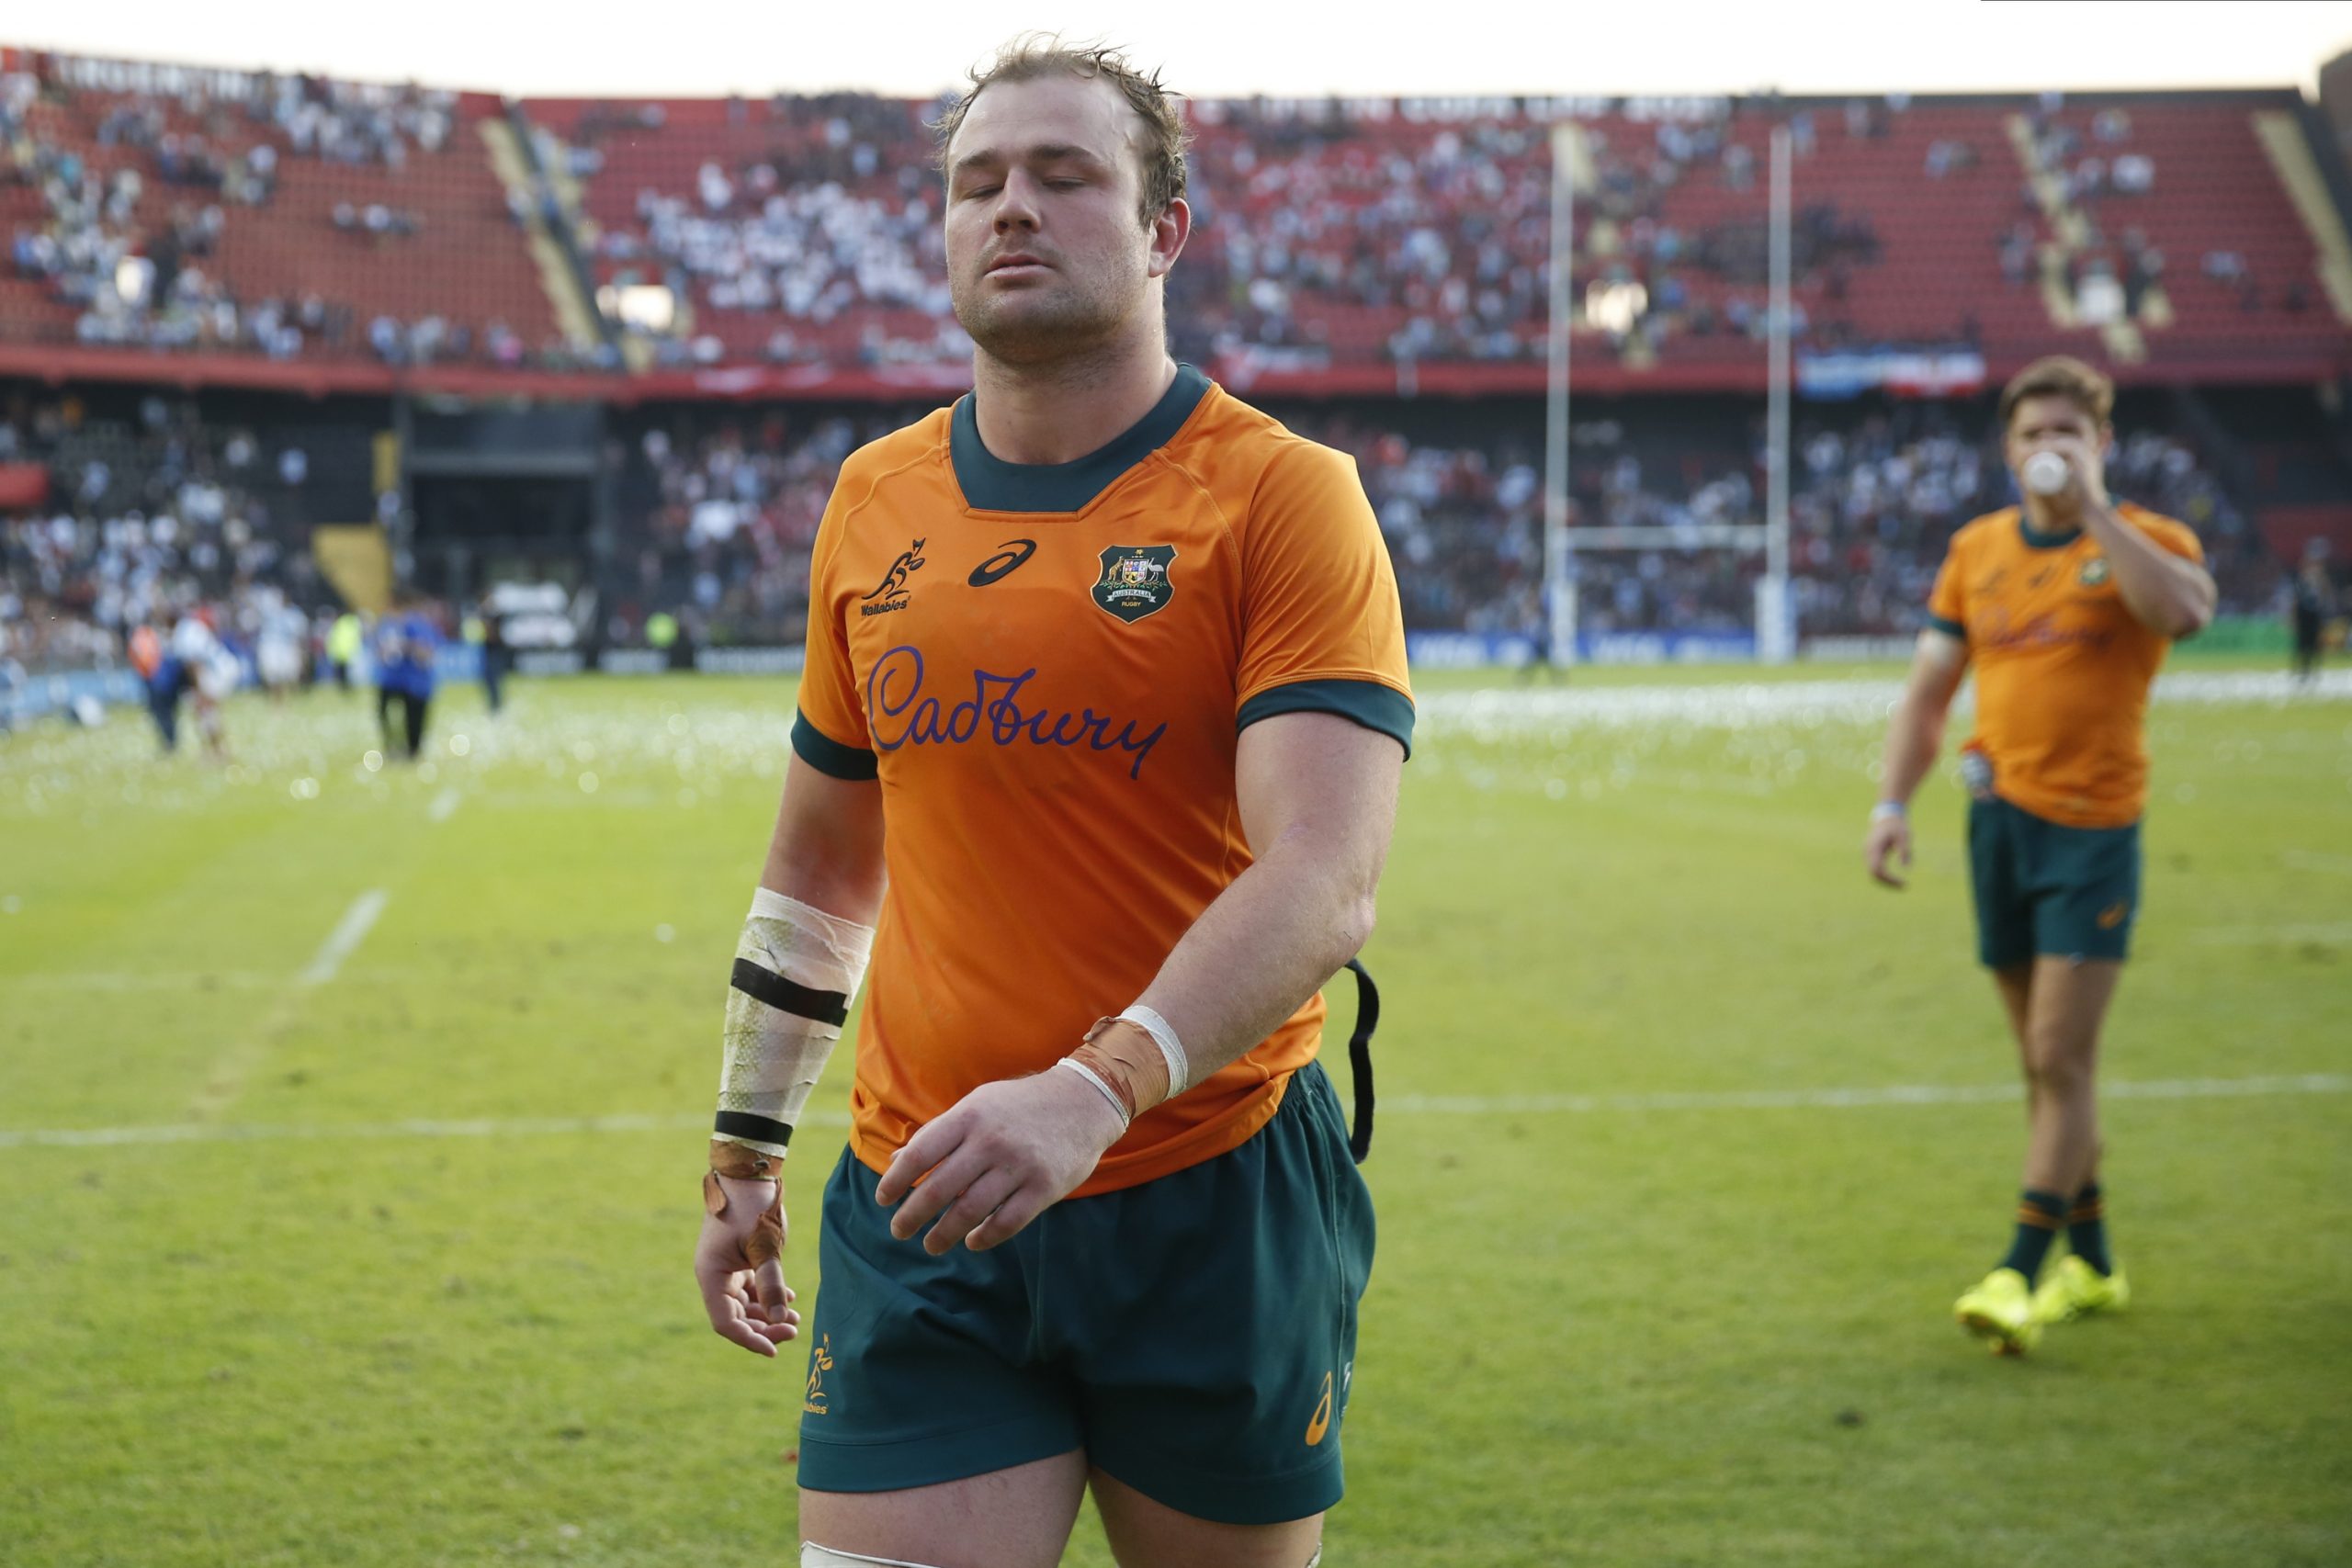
[796, 970]
[1104, 1089]
[1179, 1067]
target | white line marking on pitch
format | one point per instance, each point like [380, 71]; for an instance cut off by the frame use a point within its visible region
[1845, 1099]
[146, 980]
[1408, 1104]
[444, 806]
[1494, 713]
[2304, 860]
[2334, 935]
[226, 1081]
[346, 936]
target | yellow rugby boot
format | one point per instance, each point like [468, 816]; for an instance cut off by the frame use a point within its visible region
[1998, 1309]
[2075, 1290]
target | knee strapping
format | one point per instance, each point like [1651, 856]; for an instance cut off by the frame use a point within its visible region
[815, 1556]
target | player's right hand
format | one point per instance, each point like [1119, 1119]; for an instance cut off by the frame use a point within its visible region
[1888, 840]
[739, 1273]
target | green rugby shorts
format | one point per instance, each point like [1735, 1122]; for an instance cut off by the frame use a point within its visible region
[2045, 889]
[1194, 1335]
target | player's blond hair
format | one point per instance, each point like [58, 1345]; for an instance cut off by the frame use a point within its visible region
[1159, 150]
[2060, 376]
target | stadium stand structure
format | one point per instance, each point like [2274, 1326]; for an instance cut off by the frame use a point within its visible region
[730, 293]
[283, 217]
[1343, 244]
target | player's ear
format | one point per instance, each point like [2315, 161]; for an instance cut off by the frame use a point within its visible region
[1168, 232]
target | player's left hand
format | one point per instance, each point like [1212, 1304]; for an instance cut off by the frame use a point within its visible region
[740, 1272]
[1000, 1157]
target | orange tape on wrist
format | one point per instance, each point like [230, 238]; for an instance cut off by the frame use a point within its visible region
[1124, 1054]
[745, 1163]
[765, 1244]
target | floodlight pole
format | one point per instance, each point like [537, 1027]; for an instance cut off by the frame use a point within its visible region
[1559, 593]
[1775, 614]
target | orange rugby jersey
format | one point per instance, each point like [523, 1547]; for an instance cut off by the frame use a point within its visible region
[1047, 667]
[2062, 668]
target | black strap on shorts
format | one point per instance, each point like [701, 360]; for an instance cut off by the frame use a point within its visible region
[1360, 1060]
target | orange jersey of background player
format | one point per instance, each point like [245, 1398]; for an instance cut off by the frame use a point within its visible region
[2063, 667]
[1049, 669]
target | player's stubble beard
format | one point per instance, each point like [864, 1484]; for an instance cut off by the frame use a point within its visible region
[1082, 317]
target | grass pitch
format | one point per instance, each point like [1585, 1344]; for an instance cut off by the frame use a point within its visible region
[326, 1238]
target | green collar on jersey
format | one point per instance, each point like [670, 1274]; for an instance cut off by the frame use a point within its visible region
[992, 484]
[2035, 539]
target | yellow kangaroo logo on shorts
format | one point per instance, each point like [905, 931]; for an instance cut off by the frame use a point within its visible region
[820, 1361]
[2113, 916]
[1320, 1421]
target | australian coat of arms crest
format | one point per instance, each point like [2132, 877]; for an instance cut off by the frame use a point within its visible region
[1135, 580]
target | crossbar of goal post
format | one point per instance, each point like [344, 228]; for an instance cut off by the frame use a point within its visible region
[1775, 616]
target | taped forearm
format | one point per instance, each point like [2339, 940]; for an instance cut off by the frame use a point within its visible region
[796, 970]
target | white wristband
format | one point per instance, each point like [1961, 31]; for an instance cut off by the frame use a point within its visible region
[1179, 1067]
[1887, 809]
[1091, 1076]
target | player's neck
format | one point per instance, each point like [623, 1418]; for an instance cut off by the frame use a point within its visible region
[2043, 520]
[1059, 412]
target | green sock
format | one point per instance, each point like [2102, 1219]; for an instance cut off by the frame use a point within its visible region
[2087, 1229]
[2040, 1216]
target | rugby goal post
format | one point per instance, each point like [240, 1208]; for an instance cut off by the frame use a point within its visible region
[1775, 610]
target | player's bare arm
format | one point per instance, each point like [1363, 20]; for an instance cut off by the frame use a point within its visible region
[1319, 801]
[1318, 796]
[1914, 735]
[2166, 592]
[826, 854]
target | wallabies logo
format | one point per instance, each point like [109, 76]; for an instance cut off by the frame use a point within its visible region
[815, 1401]
[1134, 580]
[2094, 572]
[891, 593]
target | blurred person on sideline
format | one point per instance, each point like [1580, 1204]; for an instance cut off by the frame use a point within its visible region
[2311, 604]
[209, 673]
[405, 647]
[345, 639]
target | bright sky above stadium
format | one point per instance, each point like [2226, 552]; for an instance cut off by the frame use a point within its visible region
[1218, 48]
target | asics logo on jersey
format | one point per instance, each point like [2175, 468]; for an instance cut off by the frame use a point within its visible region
[1004, 563]
[1320, 1421]
[891, 593]
[898, 713]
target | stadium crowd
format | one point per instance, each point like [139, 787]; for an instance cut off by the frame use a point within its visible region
[131, 216]
[154, 508]
[804, 231]
[144, 521]
[723, 511]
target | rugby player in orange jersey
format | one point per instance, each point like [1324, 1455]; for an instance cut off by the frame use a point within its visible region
[2065, 607]
[1106, 674]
